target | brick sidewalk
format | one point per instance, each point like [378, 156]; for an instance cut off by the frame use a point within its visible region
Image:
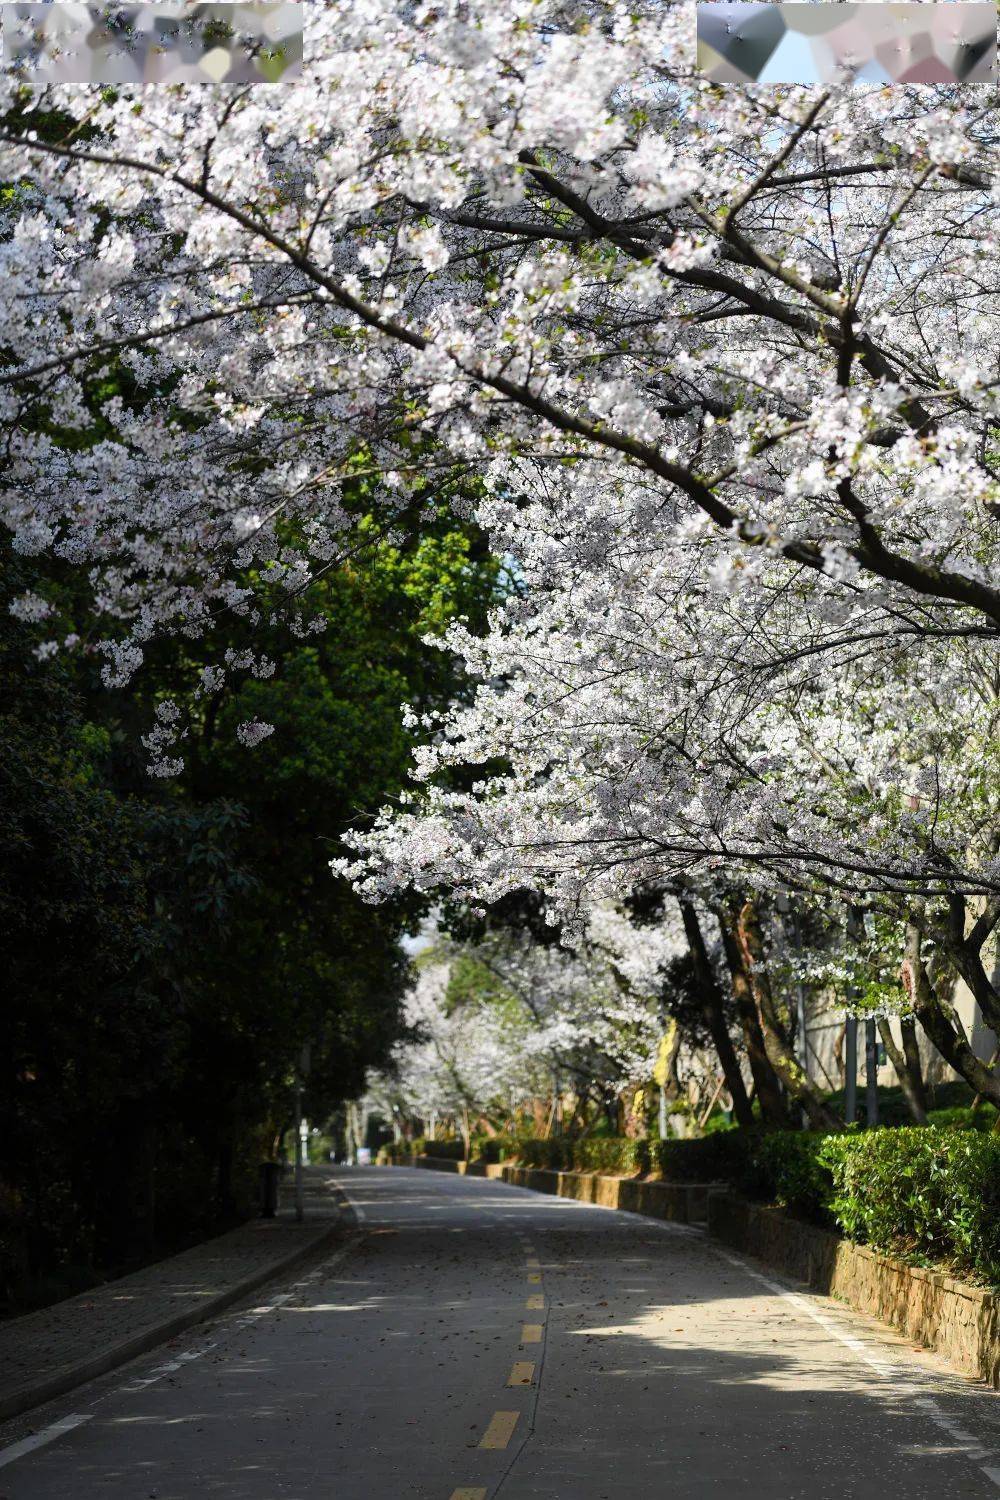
[48, 1352]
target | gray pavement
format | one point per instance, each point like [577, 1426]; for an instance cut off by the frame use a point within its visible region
[59, 1347]
[482, 1340]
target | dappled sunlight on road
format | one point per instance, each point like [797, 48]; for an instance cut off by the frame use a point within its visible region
[481, 1332]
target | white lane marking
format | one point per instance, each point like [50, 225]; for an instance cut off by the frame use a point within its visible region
[884, 1369]
[14, 1451]
[161, 1370]
[48, 1434]
[230, 1321]
[264, 1309]
[352, 1203]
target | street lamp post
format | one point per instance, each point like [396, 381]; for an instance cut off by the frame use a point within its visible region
[300, 1075]
[299, 1203]
[851, 1070]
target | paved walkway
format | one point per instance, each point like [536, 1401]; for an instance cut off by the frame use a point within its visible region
[483, 1342]
[59, 1347]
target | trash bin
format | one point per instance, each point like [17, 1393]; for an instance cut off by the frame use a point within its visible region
[270, 1176]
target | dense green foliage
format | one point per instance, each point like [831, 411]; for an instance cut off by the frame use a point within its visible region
[708, 1158]
[171, 946]
[932, 1193]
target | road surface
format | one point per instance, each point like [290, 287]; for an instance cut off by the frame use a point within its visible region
[482, 1340]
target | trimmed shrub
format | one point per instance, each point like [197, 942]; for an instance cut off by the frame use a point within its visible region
[928, 1193]
[722, 1157]
[609, 1153]
[496, 1148]
[453, 1150]
[789, 1167]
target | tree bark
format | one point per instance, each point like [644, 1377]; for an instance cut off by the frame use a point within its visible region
[911, 1083]
[773, 1108]
[911, 1051]
[711, 1003]
[774, 1024]
[941, 1021]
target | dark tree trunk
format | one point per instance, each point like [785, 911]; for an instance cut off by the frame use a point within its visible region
[911, 1051]
[911, 1083]
[711, 1004]
[767, 1088]
[941, 1021]
[774, 1023]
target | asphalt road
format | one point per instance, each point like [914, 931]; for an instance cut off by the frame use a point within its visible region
[482, 1340]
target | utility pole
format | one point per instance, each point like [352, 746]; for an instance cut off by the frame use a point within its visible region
[851, 1070]
[851, 1037]
[871, 1074]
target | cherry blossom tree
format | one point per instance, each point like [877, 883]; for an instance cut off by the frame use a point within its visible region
[551, 1017]
[723, 363]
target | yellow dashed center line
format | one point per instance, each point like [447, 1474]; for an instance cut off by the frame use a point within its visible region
[531, 1333]
[534, 1265]
[522, 1372]
[534, 1278]
[535, 1304]
[501, 1429]
[467, 1494]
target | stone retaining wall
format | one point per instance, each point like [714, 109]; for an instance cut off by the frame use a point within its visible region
[955, 1319]
[681, 1202]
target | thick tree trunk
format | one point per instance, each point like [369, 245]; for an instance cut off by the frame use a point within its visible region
[711, 1001]
[910, 1082]
[773, 1108]
[941, 1021]
[911, 1051]
[774, 1024]
[672, 1084]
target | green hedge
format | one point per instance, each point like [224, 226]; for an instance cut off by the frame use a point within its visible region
[929, 1193]
[484, 1148]
[609, 1153]
[451, 1150]
[712, 1158]
[932, 1194]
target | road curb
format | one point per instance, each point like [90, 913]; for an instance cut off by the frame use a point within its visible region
[68, 1377]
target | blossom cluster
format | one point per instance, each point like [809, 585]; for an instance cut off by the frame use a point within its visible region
[713, 369]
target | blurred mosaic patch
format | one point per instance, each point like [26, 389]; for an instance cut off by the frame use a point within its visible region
[171, 41]
[743, 41]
